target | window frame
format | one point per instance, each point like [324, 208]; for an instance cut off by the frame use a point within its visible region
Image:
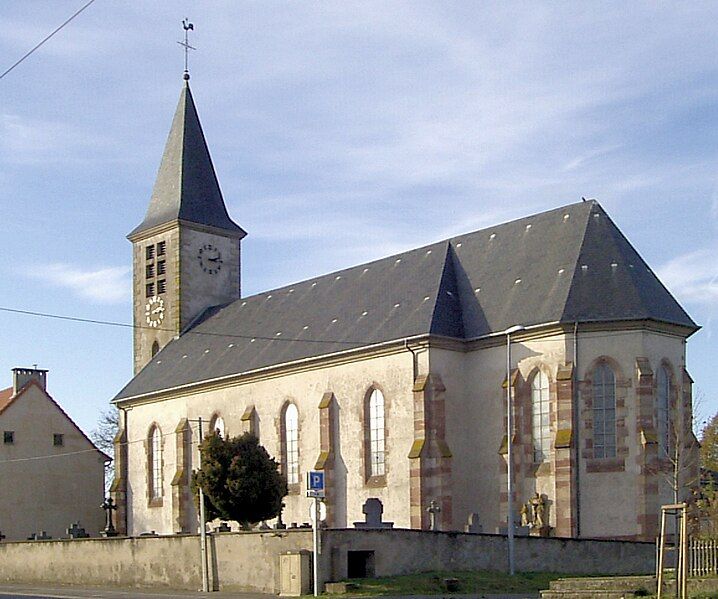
[603, 403]
[291, 445]
[58, 439]
[541, 442]
[375, 426]
[155, 478]
[8, 437]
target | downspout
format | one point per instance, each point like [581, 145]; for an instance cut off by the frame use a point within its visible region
[576, 425]
[414, 362]
[126, 468]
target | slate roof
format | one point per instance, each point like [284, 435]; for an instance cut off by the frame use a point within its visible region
[565, 265]
[186, 187]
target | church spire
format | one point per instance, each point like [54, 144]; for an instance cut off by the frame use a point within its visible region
[186, 188]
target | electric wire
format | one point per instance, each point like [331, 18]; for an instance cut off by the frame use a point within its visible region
[266, 338]
[36, 47]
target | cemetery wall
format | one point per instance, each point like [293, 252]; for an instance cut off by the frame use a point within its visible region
[250, 561]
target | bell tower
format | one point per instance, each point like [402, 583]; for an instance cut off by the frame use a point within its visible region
[186, 251]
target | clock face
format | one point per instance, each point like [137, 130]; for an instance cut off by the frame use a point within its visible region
[154, 311]
[210, 259]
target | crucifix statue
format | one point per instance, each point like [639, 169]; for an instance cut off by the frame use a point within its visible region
[187, 26]
[109, 505]
[433, 509]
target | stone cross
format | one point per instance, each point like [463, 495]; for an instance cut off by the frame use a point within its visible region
[109, 505]
[433, 509]
[77, 532]
[373, 510]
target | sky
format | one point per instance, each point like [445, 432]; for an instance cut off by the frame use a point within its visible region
[342, 132]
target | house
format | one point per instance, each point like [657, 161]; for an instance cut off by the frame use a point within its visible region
[391, 376]
[52, 474]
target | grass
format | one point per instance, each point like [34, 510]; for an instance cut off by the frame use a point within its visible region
[432, 583]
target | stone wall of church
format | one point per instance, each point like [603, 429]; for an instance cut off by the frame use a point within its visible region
[350, 383]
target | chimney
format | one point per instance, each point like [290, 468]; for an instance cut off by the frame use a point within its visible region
[22, 376]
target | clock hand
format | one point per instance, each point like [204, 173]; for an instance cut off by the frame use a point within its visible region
[213, 259]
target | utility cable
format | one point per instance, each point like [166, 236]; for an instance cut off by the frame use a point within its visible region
[27, 54]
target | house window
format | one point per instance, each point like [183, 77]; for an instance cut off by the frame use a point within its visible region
[154, 463]
[604, 412]
[150, 252]
[161, 267]
[663, 393]
[376, 434]
[291, 443]
[161, 286]
[9, 437]
[540, 408]
[150, 289]
[161, 248]
[58, 439]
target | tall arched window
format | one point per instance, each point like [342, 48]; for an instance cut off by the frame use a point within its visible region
[376, 433]
[291, 443]
[541, 417]
[663, 392]
[604, 412]
[154, 459]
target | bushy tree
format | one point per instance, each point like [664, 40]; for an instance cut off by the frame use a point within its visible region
[240, 481]
[709, 444]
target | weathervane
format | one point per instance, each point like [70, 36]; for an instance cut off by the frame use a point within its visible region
[187, 26]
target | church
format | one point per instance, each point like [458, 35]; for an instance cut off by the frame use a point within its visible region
[392, 378]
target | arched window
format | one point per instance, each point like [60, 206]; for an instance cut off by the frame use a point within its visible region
[217, 425]
[663, 392]
[155, 348]
[604, 412]
[541, 417]
[291, 443]
[154, 463]
[376, 433]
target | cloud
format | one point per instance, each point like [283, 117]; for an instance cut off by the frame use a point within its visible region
[110, 285]
[693, 276]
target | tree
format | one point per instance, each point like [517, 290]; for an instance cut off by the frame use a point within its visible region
[103, 436]
[709, 444]
[240, 481]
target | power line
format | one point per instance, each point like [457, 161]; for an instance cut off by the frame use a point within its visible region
[47, 38]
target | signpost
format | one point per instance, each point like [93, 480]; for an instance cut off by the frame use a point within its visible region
[315, 490]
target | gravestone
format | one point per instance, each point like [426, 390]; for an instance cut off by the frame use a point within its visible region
[77, 532]
[109, 506]
[223, 527]
[433, 509]
[39, 536]
[263, 526]
[373, 510]
[472, 524]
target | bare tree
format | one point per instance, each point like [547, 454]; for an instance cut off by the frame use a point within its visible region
[103, 436]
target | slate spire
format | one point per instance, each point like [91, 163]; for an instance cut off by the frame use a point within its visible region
[186, 187]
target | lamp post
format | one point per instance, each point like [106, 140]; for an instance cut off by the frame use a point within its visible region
[509, 452]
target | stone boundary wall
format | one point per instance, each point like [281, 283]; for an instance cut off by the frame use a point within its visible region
[249, 561]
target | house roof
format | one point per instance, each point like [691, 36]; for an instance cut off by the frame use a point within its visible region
[5, 398]
[567, 265]
[186, 187]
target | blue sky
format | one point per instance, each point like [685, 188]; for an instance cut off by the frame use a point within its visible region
[343, 132]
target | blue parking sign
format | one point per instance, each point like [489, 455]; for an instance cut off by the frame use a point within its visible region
[315, 481]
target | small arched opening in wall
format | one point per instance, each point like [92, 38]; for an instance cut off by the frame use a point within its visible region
[217, 425]
[155, 348]
[375, 436]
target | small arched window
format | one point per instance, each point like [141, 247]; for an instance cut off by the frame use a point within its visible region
[541, 420]
[376, 434]
[154, 465]
[155, 348]
[604, 412]
[663, 393]
[217, 426]
[291, 443]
